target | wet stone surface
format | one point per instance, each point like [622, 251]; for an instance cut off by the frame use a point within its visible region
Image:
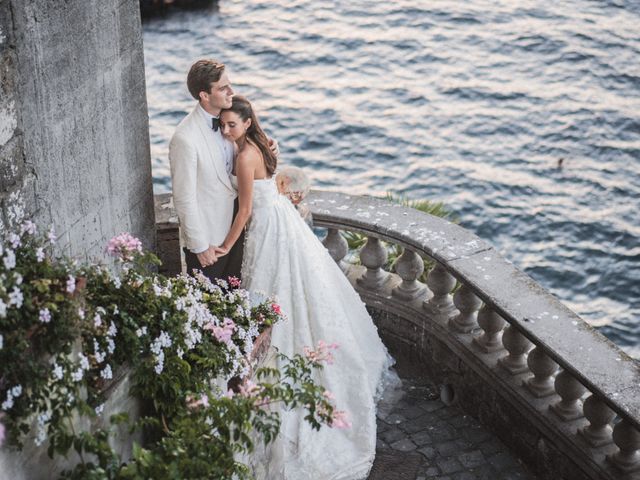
[421, 438]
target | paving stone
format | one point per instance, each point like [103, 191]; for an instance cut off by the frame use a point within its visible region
[395, 419]
[429, 452]
[404, 445]
[413, 412]
[476, 434]
[449, 465]
[390, 465]
[432, 406]
[503, 461]
[491, 445]
[463, 476]
[431, 472]
[416, 425]
[392, 435]
[447, 449]
[471, 459]
[421, 438]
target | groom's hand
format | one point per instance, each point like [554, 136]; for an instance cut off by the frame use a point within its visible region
[273, 145]
[208, 257]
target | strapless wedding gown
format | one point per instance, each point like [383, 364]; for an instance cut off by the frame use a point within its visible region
[282, 256]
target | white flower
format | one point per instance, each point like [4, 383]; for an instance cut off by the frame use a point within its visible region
[52, 235]
[45, 315]
[111, 346]
[71, 284]
[141, 331]
[106, 373]
[9, 259]
[97, 320]
[77, 375]
[41, 435]
[14, 240]
[117, 282]
[84, 361]
[28, 227]
[99, 409]
[18, 278]
[98, 354]
[58, 373]
[81, 313]
[116, 310]
[15, 297]
[40, 255]
[113, 330]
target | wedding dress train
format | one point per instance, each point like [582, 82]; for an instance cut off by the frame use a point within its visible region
[282, 256]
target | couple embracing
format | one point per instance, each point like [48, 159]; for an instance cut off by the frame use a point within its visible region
[234, 222]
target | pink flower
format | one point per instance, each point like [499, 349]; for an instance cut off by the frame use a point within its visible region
[124, 246]
[339, 419]
[222, 333]
[322, 353]
[276, 309]
[234, 282]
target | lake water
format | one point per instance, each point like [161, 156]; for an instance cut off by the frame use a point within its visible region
[471, 103]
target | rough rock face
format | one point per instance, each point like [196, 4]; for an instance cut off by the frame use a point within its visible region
[74, 142]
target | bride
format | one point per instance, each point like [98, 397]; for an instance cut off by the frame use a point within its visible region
[283, 257]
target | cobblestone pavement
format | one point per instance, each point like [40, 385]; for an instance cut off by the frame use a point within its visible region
[421, 438]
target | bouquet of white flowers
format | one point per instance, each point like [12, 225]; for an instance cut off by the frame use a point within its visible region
[294, 184]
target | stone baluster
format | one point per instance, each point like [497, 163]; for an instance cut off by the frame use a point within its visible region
[409, 266]
[492, 325]
[441, 283]
[373, 256]
[543, 368]
[337, 246]
[627, 439]
[468, 305]
[570, 391]
[600, 416]
[518, 346]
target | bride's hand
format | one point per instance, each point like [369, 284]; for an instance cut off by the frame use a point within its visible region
[221, 251]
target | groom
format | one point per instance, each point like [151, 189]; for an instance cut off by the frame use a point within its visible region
[201, 161]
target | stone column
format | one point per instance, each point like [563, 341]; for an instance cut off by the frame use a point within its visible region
[373, 256]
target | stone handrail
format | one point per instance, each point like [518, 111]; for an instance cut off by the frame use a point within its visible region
[534, 318]
[564, 380]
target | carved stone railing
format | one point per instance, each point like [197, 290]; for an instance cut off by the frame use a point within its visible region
[565, 398]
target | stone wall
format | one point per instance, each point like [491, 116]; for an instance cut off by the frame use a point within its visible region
[74, 143]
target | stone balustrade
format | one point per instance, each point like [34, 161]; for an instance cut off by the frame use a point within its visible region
[511, 354]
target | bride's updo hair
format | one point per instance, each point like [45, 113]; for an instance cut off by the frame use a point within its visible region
[255, 134]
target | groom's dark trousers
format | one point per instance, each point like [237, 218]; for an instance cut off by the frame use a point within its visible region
[227, 266]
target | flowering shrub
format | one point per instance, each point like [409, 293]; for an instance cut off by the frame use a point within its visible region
[66, 330]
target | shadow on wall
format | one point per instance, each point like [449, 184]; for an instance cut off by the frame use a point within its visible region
[155, 8]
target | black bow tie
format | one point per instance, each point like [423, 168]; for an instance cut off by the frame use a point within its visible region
[215, 124]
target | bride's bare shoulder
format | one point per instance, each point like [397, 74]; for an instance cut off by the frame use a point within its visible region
[250, 155]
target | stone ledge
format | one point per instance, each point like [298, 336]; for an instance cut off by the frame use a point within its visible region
[595, 361]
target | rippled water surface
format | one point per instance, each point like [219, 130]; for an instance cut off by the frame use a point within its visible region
[472, 103]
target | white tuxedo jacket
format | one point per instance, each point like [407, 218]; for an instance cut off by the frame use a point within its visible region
[202, 192]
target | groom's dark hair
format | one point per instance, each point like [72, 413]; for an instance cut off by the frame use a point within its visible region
[202, 74]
